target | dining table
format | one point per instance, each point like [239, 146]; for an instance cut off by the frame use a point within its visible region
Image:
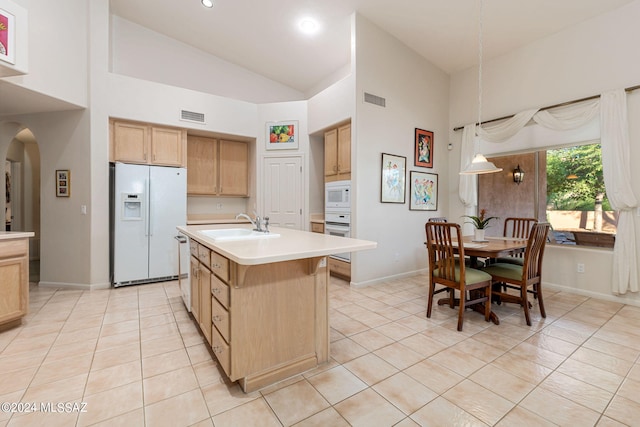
[490, 248]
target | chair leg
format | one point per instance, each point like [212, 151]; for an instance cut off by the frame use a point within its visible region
[525, 304]
[461, 311]
[538, 289]
[487, 303]
[432, 287]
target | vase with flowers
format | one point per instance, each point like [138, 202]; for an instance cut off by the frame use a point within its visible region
[480, 222]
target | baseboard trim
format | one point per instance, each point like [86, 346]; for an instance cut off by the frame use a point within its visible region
[74, 286]
[388, 278]
[629, 298]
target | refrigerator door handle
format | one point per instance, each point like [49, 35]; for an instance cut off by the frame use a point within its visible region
[149, 228]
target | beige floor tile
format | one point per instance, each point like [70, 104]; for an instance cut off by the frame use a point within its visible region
[368, 408]
[502, 383]
[433, 375]
[423, 345]
[78, 335]
[165, 362]
[182, 410]
[12, 363]
[220, 397]
[370, 368]
[553, 344]
[28, 346]
[479, 401]
[630, 389]
[160, 331]
[522, 368]
[591, 375]
[441, 412]
[623, 410]
[349, 327]
[114, 376]
[372, 339]
[69, 389]
[565, 412]
[117, 340]
[404, 392]
[603, 361]
[208, 372]
[612, 349]
[63, 368]
[345, 350]
[13, 397]
[198, 353]
[111, 403]
[62, 351]
[59, 419]
[129, 419]
[458, 361]
[115, 356]
[399, 355]
[121, 316]
[169, 384]
[296, 402]
[578, 391]
[395, 331]
[328, 417]
[253, 413]
[157, 320]
[161, 345]
[608, 422]
[119, 327]
[337, 384]
[521, 417]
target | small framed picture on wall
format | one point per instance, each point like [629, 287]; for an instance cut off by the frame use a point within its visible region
[63, 183]
[423, 148]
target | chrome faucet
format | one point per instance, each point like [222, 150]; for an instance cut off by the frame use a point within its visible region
[257, 223]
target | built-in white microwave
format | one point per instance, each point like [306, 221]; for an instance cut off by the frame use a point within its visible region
[337, 196]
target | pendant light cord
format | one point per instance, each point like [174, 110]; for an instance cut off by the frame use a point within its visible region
[480, 72]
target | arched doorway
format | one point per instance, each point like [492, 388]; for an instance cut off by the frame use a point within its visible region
[22, 191]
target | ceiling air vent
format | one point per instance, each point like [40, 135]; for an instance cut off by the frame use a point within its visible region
[374, 99]
[190, 116]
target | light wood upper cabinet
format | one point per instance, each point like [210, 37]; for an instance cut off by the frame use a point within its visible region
[202, 165]
[337, 153]
[217, 167]
[234, 168]
[144, 143]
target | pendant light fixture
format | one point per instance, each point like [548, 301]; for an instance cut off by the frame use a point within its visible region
[479, 164]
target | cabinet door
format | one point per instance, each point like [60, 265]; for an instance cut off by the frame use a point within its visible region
[331, 152]
[131, 142]
[202, 165]
[205, 302]
[166, 146]
[195, 288]
[14, 290]
[344, 149]
[234, 168]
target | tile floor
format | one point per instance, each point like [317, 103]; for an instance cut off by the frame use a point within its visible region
[134, 357]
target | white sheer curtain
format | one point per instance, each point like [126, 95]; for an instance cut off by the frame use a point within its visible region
[616, 169]
[615, 160]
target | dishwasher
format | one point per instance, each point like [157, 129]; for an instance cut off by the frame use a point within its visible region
[184, 264]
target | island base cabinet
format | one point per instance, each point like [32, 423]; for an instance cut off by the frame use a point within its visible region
[278, 321]
[14, 282]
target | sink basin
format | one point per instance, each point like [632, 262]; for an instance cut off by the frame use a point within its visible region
[227, 234]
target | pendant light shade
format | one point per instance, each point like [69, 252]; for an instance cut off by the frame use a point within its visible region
[480, 165]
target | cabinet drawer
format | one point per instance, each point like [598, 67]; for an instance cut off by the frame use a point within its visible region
[220, 318]
[204, 255]
[220, 290]
[193, 247]
[222, 351]
[220, 266]
[317, 227]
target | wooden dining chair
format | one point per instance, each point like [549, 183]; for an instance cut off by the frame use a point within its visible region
[523, 276]
[518, 228]
[443, 241]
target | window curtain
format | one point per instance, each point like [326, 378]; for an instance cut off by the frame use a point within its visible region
[616, 169]
[615, 161]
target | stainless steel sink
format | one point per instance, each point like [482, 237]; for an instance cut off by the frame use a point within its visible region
[227, 234]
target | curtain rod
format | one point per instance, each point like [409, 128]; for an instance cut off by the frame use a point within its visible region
[575, 101]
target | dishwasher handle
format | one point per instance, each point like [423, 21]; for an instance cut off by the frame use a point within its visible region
[181, 239]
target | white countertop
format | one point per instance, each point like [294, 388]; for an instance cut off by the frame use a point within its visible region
[290, 245]
[8, 235]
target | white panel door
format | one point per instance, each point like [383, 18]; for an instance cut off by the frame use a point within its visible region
[283, 195]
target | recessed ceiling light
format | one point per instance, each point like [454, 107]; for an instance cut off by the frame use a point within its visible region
[207, 3]
[308, 26]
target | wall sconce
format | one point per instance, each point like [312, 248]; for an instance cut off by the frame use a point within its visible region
[518, 175]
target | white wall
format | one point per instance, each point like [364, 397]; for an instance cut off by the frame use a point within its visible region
[417, 96]
[588, 59]
[142, 53]
[57, 41]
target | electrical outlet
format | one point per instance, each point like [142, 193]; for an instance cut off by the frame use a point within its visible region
[396, 257]
[580, 268]
[219, 206]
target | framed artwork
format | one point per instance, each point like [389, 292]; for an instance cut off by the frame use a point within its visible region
[423, 191]
[282, 135]
[63, 183]
[423, 148]
[7, 37]
[393, 178]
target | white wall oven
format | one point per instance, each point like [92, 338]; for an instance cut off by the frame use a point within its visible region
[337, 212]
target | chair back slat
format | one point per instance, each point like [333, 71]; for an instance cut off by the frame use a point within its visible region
[519, 228]
[440, 237]
[532, 268]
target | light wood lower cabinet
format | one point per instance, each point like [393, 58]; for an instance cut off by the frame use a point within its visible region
[14, 281]
[317, 227]
[267, 322]
[340, 268]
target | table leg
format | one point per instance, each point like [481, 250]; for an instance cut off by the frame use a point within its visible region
[493, 317]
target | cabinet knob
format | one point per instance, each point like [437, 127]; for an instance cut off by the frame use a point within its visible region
[217, 318]
[216, 291]
[217, 350]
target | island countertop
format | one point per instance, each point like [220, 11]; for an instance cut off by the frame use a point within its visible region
[290, 245]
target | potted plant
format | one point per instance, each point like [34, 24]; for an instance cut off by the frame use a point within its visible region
[480, 222]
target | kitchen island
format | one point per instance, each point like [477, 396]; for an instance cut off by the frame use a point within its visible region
[14, 277]
[262, 302]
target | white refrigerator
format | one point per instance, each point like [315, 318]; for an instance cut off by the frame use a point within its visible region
[148, 203]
